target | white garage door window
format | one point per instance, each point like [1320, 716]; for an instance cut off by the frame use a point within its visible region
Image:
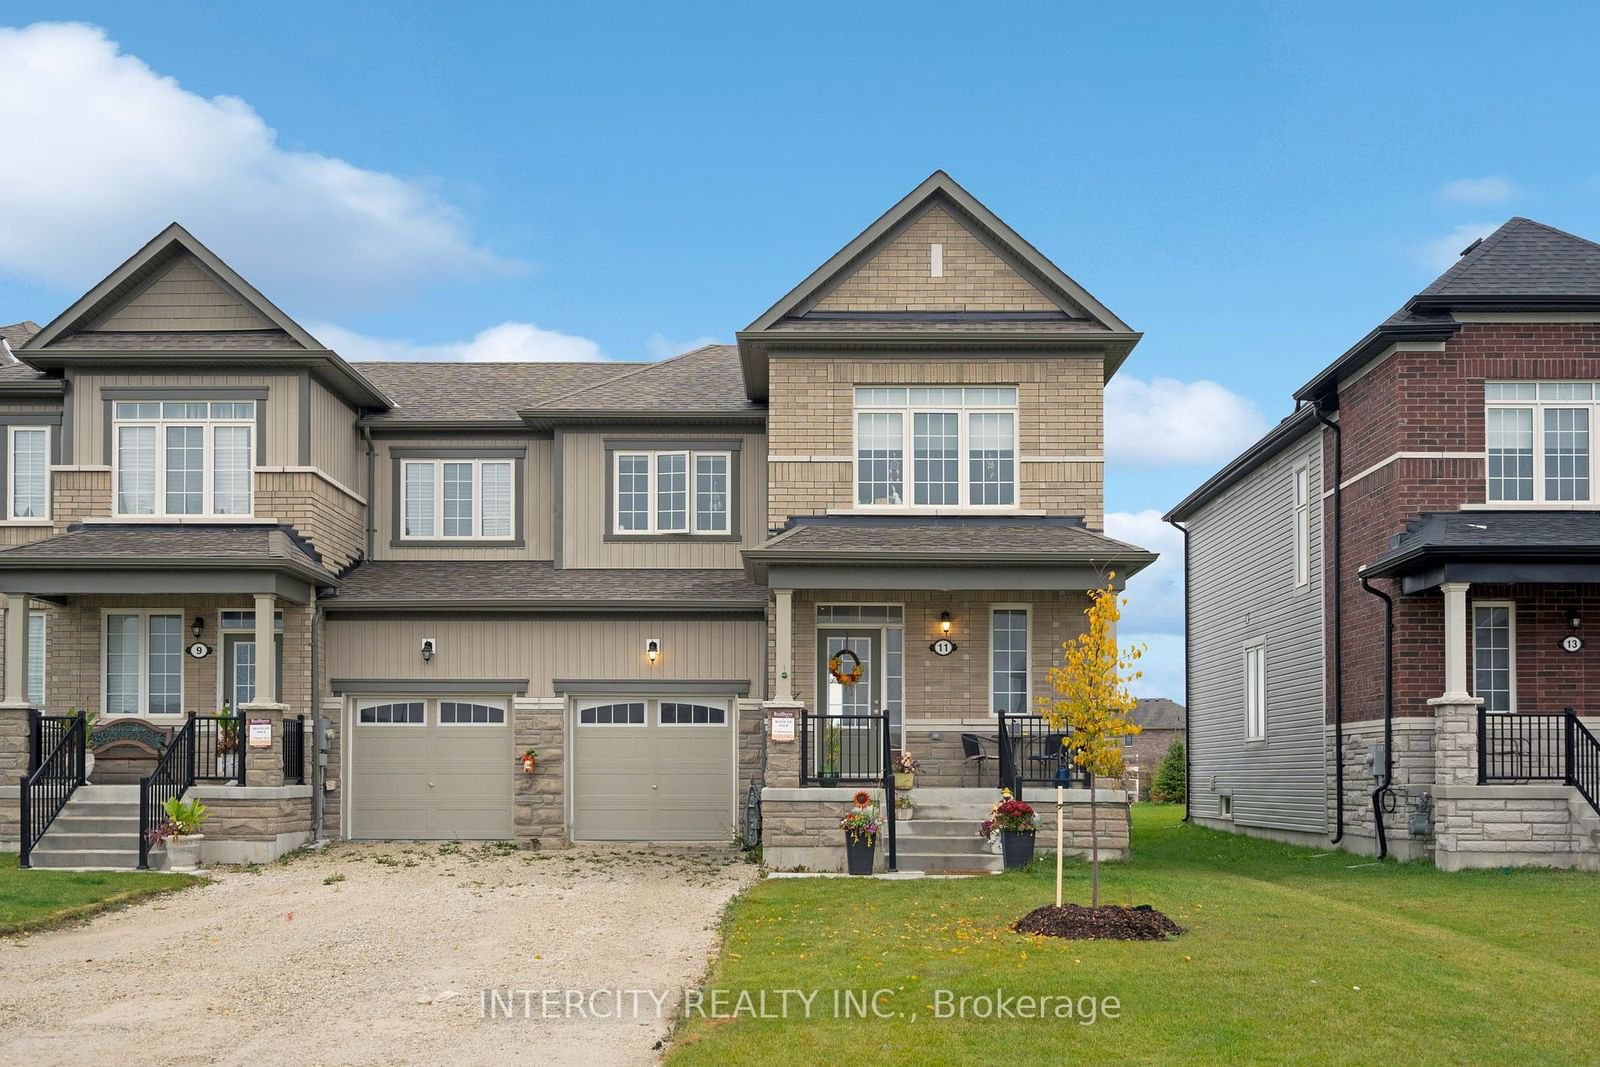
[652, 769]
[432, 769]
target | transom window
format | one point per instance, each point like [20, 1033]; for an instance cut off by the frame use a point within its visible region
[461, 713]
[183, 457]
[28, 495]
[621, 714]
[1494, 628]
[666, 492]
[457, 499]
[678, 713]
[961, 442]
[143, 663]
[1009, 658]
[1537, 437]
[407, 713]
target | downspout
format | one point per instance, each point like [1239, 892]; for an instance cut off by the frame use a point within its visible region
[1338, 632]
[1188, 667]
[372, 472]
[319, 770]
[1382, 785]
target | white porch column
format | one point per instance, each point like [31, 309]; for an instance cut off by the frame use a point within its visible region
[783, 627]
[16, 688]
[1455, 641]
[266, 651]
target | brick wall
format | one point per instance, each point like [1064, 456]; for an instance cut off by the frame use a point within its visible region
[327, 516]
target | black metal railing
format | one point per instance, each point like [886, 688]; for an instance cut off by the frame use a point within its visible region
[843, 749]
[172, 777]
[1539, 747]
[294, 750]
[46, 789]
[44, 734]
[1032, 752]
[218, 748]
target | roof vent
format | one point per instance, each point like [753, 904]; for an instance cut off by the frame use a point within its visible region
[1475, 243]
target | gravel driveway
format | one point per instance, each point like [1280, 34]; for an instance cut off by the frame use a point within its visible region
[374, 954]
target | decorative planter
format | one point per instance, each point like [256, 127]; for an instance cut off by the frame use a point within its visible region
[903, 803]
[1017, 848]
[828, 776]
[902, 780]
[528, 763]
[183, 853]
[859, 854]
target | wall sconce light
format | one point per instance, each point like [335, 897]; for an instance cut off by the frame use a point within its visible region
[944, 622]
[1574, 620]
[199, 627]
[427, 649]
[652, 650]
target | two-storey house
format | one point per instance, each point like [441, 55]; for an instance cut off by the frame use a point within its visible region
[866, 528]
[1390, 595]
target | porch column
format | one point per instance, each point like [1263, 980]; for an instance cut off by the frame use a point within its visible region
[266, 651]
[264, 766]
[783, 626]
[1455, 641]
[16, 688]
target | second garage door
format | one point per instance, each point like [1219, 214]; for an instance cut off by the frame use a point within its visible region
[432, 768]
[652, 769]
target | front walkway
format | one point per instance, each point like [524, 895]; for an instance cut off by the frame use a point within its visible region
[385, 965]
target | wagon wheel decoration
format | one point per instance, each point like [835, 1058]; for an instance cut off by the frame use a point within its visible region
[842, 674]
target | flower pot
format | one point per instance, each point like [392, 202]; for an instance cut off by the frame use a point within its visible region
[902, 779]
[903, 803]
[828, 776]
[183, 853]
[1017, 848]
[88, 764]
[859, 854]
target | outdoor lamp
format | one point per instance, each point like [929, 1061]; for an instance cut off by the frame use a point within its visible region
[652, 650]
[944, 622]
[1573, 619]
[199, 627]
[427, 649]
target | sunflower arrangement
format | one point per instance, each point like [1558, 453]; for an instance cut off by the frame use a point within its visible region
[861, 824]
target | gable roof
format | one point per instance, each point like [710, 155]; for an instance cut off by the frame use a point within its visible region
[1078, 317]
[1158, 713]
[700, 384]
[442, 394]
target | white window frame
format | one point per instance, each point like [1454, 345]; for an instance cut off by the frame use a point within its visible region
[1254, 662]
[589, 703]
[378, 702]
[908, 413]
[1539, 407]
[502, 706]
[1511, 639]
[39, 619]
[1027, 611]
[717, 705]
[144, 615]
[1302, 525]
[208, 427]
[11, 475]
[438, 534]
[691, 516]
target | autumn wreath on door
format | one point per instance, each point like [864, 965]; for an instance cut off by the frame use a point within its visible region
[845, 666]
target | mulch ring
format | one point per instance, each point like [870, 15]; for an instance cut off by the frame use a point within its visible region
[1109, 922]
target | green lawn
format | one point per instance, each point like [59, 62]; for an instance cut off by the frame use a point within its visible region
[32, 900]
[1291, 955]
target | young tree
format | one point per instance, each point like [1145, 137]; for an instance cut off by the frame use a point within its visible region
[1093, 707]
[1168, 786]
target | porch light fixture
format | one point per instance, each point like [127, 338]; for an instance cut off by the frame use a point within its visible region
[944, 622]
[198, 627]
[652, 650]
[427, 649]
[1573, 618]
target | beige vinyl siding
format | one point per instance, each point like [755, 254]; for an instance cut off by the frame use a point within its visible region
[536, 491]
[586, 508]
[541, 650]
[336, 446]
[1241, 588]
[185, 297]
[282, 412]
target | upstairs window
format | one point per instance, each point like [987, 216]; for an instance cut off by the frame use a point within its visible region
[181, 457]
[457, 500]
[961, 443]
[672, 492]
[1302, 527]
[28, 494]
[1537, 440]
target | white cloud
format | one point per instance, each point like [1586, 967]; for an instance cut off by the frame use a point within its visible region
[1155, 594]
[106, 152]
[1161, 665]
[509, 341]
[1441, 253]
[1167, 421]
[661, 347]
[1490, 190]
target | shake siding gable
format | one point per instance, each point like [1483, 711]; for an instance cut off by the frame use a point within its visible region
[1242, 591]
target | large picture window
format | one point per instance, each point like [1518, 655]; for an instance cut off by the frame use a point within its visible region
[143, 663]
[457, 499]
[962, 444]
[183, 457]
[672, 492]
[1537, 436]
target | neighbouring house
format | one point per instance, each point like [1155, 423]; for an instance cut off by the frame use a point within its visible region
[1161, 722]
[1390, 596]
[714, 594]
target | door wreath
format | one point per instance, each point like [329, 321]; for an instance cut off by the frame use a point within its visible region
[842, 674]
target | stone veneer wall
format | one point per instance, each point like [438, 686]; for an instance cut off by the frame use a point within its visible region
[541, 797]
[1413, 776]
[253, 824]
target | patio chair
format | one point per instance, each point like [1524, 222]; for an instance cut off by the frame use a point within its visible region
[974, 755]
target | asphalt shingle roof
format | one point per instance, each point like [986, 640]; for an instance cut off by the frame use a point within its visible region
[704, 381]
[1048, 539]
[395, 583]
[1561, 535]
[1158, 713]
[1524, 258]
[496, 392]
[134, 543]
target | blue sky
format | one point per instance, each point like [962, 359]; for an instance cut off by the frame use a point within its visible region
[1254, 186]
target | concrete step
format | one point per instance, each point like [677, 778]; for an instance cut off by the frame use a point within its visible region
[99, 809]
[924, 845]
[935, 861]
[128, 794]
[937, 827]
[71, 838]
[100, 858]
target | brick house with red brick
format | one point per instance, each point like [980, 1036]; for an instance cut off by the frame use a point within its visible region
[1437, 488]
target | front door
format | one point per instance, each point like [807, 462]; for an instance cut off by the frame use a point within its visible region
[239, 669]
[854, 744]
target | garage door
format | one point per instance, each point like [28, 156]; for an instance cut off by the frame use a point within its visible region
[652, 769]
[434, 768]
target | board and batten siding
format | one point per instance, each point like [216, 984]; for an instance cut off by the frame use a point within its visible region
[543, 649]
[1241, 589]
[535, 497]
[88, 414]
[586, 507]
[336, 446]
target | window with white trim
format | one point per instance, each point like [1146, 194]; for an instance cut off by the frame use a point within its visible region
[457, 499]
[36, 649]
[470, 713]
[1255, 691]
[628, 713]
[691, 713]
[183, 457]
[392, 713]
[1302, 527]
[672, 492]
[1537, 437]
[28, 473]
[961, 442]
[1494, 654]
[1008, 644]
[143, 663]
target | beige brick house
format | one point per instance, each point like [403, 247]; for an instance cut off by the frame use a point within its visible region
[650, 574]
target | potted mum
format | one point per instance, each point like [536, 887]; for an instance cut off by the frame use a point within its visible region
[180, 832]
[1015, 823]
[860, 825]
[905, 768]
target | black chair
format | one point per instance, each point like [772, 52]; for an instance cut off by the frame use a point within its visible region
[974, 755]
[1052, 755]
